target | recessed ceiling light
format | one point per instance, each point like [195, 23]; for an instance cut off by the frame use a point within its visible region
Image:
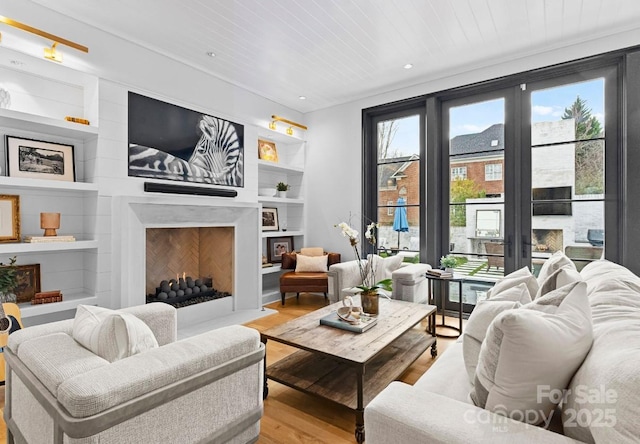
[302, 97]
[408, 66]
[211, 54]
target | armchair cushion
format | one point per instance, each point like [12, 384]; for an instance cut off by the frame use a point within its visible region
[311, 263]
[384, 266]
[110, 334]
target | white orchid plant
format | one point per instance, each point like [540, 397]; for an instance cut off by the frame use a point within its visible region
[367, 271]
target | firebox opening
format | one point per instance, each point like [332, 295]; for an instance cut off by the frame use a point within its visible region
[194, 263]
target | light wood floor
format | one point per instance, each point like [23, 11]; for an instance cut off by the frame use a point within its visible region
[291, 416]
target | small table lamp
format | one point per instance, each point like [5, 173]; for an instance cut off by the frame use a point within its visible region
[50, 222]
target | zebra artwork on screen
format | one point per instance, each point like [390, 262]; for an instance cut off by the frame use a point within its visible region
[170, 142]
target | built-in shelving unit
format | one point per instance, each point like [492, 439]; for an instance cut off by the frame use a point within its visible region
[288, 169]
[41, 102]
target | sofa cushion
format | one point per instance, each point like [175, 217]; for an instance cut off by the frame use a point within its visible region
[519, 293]
[555, 262]
[56, 357]
[550, 302]
[447, 375]
[605, 387]
[110, 334]
[520, 276]
[526, 351]
[382, 267]
[311, 263]
[476, 329]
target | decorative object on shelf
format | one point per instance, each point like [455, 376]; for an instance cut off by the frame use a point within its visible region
[448, 263]
[282, 189]
[265, 263]
[8, 280]
[37, 159]
[50, 222]
[77, 120]
[277, 246]
[267, 192]
[9, 218]
[369, 288]
[47, 297]
[273, 125]
[267, 151]
[48, 239]
[28, 282]
[157, 148]
[270, 219]
[5, 98]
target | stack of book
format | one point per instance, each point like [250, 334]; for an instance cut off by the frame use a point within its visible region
[333, 320]
[44, 239]
[441, 274]
[46, 297]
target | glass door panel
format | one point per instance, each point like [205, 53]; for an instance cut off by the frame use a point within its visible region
[567, 172]
[476, 188]
[398, 204]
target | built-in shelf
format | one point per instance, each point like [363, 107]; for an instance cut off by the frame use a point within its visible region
[279, 167]
[276, 136]
[281, 200]
[58, 185]
[282, 233]
[69, 302]
[40, 124]
[272, 269]
[24, 247]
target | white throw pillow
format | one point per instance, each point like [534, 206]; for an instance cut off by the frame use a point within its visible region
[559, 278]
[520, 276]
[519, 293]
[550, 302]
[311, 264]
[555, 262]
[382, 267]
[111, 334]
[528, 353]
[476, 329]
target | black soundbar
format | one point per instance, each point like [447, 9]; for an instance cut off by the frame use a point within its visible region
[153, 187]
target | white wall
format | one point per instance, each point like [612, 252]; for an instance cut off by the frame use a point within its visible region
[335, 136]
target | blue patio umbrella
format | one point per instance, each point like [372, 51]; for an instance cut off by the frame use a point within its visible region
[400, 222]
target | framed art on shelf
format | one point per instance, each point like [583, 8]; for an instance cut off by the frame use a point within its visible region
[37, 159]
[267, 151]
[270, 219]
[28, 279]
[9, 218]
[276, 246]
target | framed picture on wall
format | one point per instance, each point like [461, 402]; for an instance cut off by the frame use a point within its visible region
[277, 246]
[28, 279]
[9, 218]
[37, 159]
[270, 219]
[267, 151]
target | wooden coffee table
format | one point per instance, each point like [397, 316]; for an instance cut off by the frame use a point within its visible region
[348, 368]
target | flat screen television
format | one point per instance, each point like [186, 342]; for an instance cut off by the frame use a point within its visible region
[546, 206]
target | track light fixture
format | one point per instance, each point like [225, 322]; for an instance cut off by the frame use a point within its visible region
[289, 131]
[49, 53]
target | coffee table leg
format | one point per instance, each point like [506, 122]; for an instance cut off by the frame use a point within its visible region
[265, 386]
[360, 410]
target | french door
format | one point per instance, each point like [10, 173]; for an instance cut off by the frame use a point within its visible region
[529, 170]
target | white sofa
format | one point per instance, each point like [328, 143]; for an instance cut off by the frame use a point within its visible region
[409, 281]
[207, 388]
[602, 404]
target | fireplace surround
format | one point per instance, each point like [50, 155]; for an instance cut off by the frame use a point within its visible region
[135, 215]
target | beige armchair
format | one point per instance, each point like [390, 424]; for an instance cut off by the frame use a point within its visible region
[207, 388]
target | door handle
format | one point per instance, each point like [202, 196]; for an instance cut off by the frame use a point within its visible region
[508, 244]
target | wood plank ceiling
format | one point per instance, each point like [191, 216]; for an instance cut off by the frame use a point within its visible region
[335, 51]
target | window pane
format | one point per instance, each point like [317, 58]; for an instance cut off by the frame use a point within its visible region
[399, 179]
[476, 193]
[399, 138]
[568, 112]
[393, 236]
